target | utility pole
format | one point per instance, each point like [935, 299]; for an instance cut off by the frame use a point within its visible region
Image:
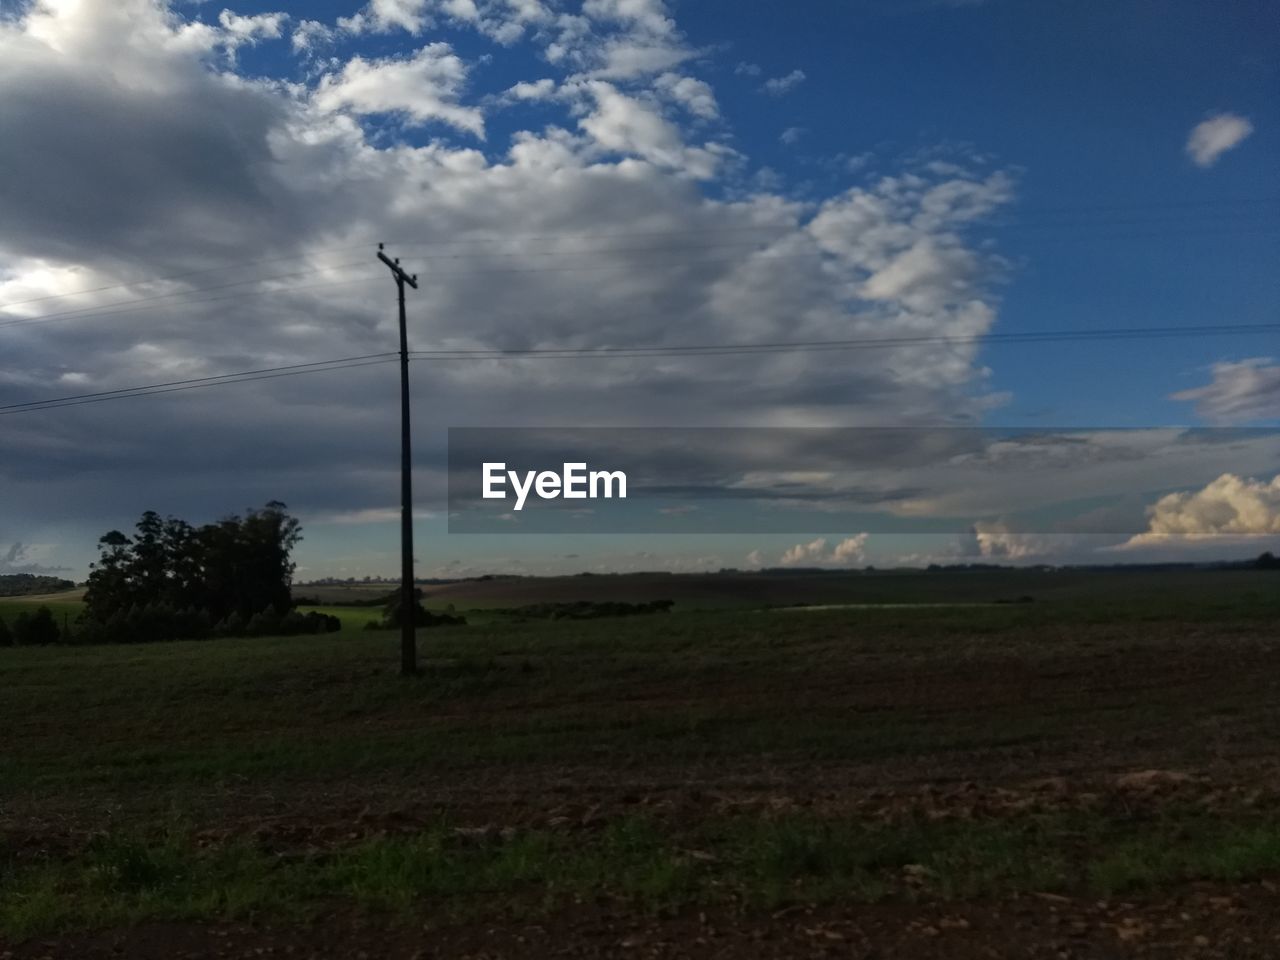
[408, 602]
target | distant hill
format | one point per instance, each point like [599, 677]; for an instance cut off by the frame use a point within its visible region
[27, 584]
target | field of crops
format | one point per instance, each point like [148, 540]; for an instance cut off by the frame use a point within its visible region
[1090, 773]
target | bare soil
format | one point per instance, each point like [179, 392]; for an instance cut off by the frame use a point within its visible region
[1202, 921]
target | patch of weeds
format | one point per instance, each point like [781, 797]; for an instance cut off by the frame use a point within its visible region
[629, 858]
[1203, 849]
[761, 861]
[117, 864]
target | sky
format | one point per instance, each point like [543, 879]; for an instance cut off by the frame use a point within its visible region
[191, 190]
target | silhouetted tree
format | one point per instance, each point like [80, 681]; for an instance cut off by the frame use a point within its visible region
[422, 617]
[109, 590]
[173, 580]
[35, 629]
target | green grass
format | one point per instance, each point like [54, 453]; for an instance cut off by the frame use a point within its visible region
[753, 862]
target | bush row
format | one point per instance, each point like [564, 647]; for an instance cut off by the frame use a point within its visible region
[151, 623]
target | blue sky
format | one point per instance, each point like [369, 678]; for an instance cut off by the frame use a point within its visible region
[1090, 103]
[1089, 165]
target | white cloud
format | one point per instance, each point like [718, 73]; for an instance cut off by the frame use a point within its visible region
[755, 559]
[1211, 138]
[383, 16]
[629, 59]
[252, 29]
[780, 86]
[994, 541]
[848, 552]
[310, 35]
[744, 69]
[503, 21]
[651, 15]
[1228, 506]
[464, 10]
[618, 40]
[624, 124]
[507, 21]
[424, 88]
[694, 95]
[923, 276]
[1242, 391]
[532, 90]
[792, 135]
[811, 552]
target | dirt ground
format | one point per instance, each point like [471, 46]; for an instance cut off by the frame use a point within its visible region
[1201, 922]
[703, 721]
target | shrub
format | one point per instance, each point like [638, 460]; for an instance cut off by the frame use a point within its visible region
[35, 629]
[422, 617]
[588, 609]
[265, 623]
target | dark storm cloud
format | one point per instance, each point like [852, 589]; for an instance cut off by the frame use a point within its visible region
[98, 174]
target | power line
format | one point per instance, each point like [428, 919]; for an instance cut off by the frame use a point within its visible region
[194, 383]
[320, 366]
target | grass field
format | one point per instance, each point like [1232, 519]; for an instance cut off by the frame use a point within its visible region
[1103, 756]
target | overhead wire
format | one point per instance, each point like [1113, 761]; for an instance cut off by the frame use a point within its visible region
[194, 383]
[692, 350]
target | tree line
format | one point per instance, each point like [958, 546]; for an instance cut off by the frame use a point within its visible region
[172, 580]
[31, 584]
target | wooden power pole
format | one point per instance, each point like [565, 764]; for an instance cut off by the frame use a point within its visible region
[408, 602]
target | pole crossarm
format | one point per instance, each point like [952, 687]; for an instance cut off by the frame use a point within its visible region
[398, 271]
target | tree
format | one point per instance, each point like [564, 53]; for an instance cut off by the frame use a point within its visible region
[25, 584]
[171, 579]
[108, 591]
[35, 629]
[422, 617]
